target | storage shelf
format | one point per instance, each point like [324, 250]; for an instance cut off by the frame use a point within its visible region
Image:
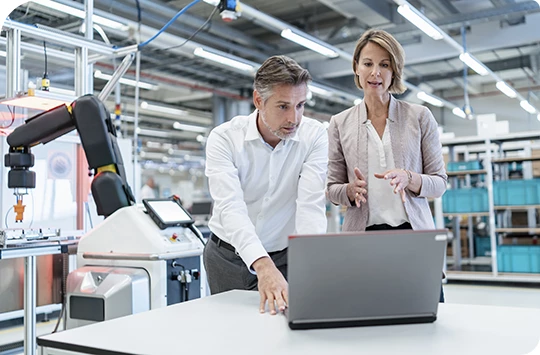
[489, 277]
[479, 260]
[466, 172]
[517, 230]
[509, 207]
[515, 159]
[477, 214]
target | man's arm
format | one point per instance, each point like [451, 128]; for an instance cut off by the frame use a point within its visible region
[310, 203]
[226, 191]
[228, 197]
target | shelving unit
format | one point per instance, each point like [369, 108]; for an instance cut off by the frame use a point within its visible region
[491, 151]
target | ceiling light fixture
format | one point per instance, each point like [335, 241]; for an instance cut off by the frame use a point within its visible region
[200, 52]
[81, 14]
[459, 112]
[527, 106]
[429, 99]
[473, 63]
[162, 109]
[506, 89]
[319, 90]
[308, 43]
[191, 128]
[99, 75]
[420, 21]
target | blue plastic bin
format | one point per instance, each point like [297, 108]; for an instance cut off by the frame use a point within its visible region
[465, 200]
[518, 258]
[482, 246]
[516, 192]
[463, 165]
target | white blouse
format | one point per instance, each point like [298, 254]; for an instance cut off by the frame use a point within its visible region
[385, 207]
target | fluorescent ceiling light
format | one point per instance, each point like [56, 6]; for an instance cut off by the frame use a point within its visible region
[162, 109]
[420, 21]
[99, 75]
[188, 127]
[357, 102]
[319, 91]
[81, 14]
[506, 89]
[430, 99]
[309, 44]
[473, 63]
[223, 60]
[212, 2]
[527, 106]
[3, 53]
[538, 116]
[459, 112]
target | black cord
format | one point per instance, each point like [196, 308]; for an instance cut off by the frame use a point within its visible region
[194, 33]
[45, 52]
[197, 233]
[186, 291]
[12, 118]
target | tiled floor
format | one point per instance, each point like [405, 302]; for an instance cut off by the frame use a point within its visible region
[454, 293]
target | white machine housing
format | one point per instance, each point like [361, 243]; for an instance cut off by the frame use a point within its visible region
[129, 238]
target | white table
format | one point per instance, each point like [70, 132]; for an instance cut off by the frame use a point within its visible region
[230, 323]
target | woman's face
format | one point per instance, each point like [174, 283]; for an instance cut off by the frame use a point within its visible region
[374, 69]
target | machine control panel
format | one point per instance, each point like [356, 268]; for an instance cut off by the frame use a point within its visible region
[180, 236]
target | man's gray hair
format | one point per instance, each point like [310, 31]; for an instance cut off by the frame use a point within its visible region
[278, 70]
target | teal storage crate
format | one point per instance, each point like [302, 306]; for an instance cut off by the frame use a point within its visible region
[516, 192]
[482, 246]
[518, 258]
[463, 165]
[465, 200]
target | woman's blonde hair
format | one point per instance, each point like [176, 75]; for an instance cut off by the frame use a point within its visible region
[397, 57]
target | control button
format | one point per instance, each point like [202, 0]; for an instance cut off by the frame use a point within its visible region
[174, 236]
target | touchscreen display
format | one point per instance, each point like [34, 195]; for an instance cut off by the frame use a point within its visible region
[169, 211]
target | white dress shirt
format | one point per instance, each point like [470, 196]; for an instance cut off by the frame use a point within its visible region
[262, 195]
[385, 207]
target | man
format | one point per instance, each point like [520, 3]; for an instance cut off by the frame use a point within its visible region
[266, 174]
[147, 191]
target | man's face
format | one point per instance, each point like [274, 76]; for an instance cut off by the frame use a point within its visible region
[282, 112]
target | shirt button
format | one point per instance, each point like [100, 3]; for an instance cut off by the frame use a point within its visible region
[266, 199]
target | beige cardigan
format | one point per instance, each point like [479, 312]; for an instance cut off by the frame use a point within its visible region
[415, 146]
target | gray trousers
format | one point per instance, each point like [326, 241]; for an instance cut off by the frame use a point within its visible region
[226, 271]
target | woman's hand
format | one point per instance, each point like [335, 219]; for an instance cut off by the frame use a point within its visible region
[399, 179]
[356, 190]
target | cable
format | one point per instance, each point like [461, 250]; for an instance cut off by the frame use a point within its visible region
[45, 52]
[12, 118]
[194, 33]
[45, 83]
[6, 218]
[60, 316]
[168, 24]
[197, 233]
[32, 220]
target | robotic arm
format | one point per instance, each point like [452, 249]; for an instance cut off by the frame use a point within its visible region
[92, 121]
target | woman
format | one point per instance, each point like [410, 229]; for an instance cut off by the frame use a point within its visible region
[385, 157]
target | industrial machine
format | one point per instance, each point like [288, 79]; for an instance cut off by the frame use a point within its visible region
[140, 257]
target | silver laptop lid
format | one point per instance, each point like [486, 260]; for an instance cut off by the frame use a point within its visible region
[365, 275]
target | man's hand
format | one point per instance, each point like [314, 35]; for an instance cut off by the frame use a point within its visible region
[356, 190]
[272, 286]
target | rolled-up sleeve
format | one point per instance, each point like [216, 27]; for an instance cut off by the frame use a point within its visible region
[310, 204]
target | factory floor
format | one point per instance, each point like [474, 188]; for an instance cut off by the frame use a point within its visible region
[526, 297]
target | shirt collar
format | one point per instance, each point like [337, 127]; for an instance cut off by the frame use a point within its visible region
[253, 132]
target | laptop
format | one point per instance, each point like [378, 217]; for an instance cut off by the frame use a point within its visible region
[364, 278]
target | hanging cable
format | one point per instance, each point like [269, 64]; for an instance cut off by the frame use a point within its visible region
[195, 33]
[12, 118]
[168, 24]
[45, 83]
